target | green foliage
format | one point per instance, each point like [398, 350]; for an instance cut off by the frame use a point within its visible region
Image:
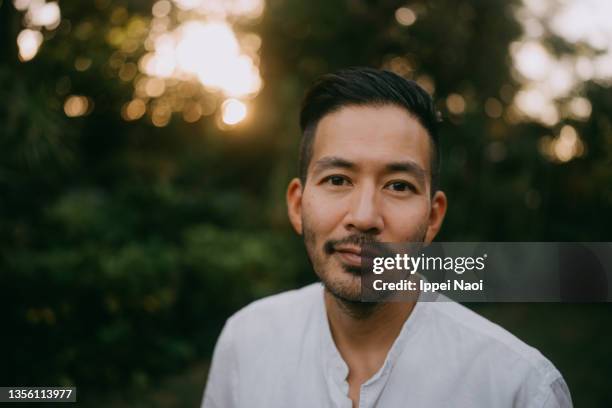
[111, 288]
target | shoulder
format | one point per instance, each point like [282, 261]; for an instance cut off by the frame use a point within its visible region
[280, 306]
[471, 328]
[503, 356]
[277, 315]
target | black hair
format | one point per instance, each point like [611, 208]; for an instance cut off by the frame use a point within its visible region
[360, 86]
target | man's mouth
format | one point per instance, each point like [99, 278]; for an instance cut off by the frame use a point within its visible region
[349, 255]
[355, 252]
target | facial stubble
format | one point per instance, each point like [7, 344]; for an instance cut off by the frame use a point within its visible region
[344, 292]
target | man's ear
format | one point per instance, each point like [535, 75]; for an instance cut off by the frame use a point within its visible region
[294, 204]
[436, 215]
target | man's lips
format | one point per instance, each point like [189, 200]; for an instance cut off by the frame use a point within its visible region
[350, 255]
[348, 249]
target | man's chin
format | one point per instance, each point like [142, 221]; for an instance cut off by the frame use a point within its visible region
[348, 291]
[349, 299]
[343, 281]
[352, 269]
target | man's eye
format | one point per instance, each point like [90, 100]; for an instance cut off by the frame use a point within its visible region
[336, 180]
[401, 186]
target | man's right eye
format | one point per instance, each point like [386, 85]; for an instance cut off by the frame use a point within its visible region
[336, 180]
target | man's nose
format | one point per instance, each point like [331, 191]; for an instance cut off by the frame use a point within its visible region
[364, 213]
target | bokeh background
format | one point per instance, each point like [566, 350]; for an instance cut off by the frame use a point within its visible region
[145, 147]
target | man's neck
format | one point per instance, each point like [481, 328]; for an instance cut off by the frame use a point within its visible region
[364, 332]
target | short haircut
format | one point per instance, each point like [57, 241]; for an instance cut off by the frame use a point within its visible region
[365, 87]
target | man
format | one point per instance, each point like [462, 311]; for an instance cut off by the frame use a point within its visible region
[368, 173]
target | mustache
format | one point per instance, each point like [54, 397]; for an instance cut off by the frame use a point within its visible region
[356, 239]
[374, 247]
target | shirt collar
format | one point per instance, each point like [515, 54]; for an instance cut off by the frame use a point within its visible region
[336, 368]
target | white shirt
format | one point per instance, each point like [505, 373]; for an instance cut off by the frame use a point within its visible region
[279, 352]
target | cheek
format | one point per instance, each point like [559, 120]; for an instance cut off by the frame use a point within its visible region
[405, 219]
[321, 215]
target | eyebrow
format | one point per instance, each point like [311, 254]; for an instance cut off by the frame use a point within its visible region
[407, 166]
[332, 162]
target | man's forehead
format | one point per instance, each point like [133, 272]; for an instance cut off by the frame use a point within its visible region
[374, 135]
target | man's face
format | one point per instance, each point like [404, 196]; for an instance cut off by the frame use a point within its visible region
[368, 181]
